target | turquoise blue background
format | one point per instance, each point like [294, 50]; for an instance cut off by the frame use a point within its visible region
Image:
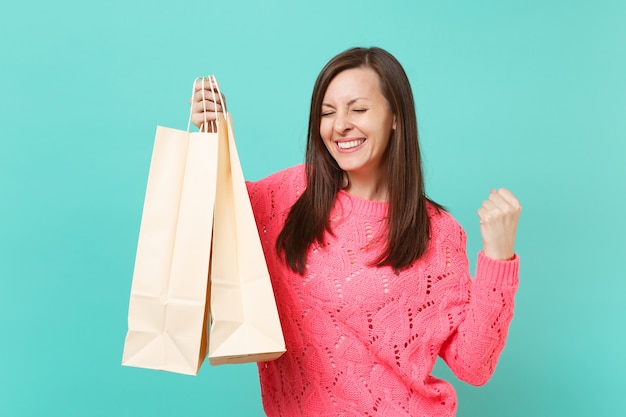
[530, 95]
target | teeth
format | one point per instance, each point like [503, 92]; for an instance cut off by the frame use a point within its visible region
[351, 144]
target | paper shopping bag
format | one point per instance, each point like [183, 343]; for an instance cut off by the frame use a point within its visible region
[245, 325]
[167, 317]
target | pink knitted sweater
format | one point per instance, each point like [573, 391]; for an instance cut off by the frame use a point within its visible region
[361, 340]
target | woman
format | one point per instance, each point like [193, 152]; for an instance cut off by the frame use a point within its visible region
[370, 276]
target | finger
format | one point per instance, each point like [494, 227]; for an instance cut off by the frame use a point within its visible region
[199, 120]
[206, 84]
[207, 102]
[206, 106]
[497, 200]
[489, 205]
[483, 215]
[204, 112]
[509, 198]
[205, 88]
[504, 203]
[207, 95]
[488, 212]
[208, 109]
[208, 90]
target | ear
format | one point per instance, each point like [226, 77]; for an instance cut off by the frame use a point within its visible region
[393, 126]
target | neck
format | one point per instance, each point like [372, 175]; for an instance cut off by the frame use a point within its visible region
[368, 188]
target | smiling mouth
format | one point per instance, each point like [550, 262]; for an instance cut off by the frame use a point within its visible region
[351, 144]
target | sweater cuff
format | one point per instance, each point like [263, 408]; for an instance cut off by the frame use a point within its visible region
[497, 273]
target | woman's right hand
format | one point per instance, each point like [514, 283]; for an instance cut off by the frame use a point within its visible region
[204, 105]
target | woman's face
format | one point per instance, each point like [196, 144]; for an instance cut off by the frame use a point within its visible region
[356, 123]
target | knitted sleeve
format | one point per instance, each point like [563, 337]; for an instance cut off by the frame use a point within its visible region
[271, 199]
[483, 314]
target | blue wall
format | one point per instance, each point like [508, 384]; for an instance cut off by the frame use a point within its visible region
[530, 95]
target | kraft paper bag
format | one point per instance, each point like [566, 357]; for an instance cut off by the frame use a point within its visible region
[167, 317]
[245, 325]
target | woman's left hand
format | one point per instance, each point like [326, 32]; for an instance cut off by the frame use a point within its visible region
[499, 215]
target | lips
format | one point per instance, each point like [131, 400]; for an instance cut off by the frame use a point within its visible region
[350, 144]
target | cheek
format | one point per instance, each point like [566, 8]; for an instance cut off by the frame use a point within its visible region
[326, 131]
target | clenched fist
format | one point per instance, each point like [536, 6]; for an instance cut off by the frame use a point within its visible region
[206, 102]
[499, 215]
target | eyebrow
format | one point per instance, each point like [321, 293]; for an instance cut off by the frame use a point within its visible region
[351, 102]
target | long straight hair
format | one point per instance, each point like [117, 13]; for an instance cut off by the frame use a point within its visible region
[407, 219]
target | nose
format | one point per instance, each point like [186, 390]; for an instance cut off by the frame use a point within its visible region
[342, 124]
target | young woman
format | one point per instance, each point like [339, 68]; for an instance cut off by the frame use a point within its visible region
[370, 276]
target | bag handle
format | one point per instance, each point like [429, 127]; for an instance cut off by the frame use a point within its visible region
[204, 127]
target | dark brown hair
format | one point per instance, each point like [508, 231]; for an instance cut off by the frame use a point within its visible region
[408, 223]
